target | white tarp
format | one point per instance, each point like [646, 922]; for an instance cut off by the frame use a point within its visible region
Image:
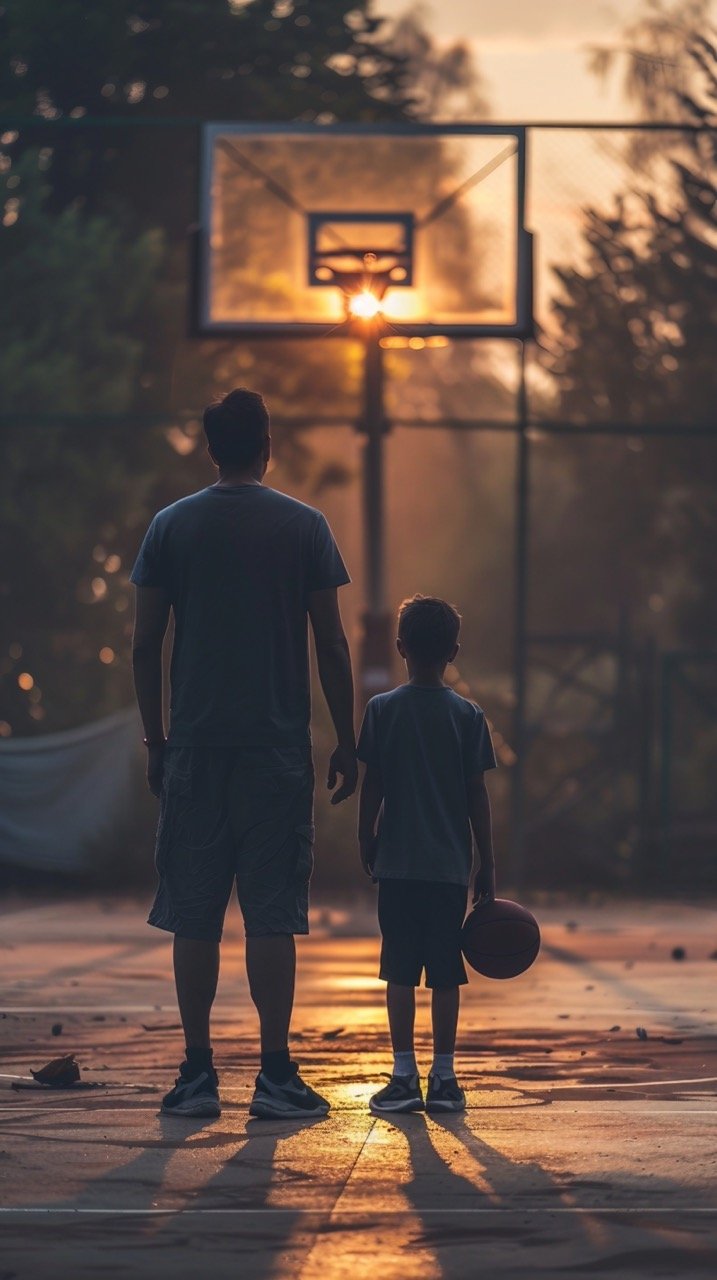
[58, 791]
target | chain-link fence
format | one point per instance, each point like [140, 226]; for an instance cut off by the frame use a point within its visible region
[567, 504]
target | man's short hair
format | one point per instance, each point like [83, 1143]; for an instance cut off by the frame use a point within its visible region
[236, 428]
[429, 628]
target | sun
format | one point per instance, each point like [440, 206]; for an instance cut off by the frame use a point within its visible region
[365, 305]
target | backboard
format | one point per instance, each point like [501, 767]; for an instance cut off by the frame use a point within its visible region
[295, 219]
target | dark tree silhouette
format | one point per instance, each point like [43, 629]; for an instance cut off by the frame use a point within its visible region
[634, 344]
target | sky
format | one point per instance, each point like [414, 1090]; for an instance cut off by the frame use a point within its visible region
[533, 52]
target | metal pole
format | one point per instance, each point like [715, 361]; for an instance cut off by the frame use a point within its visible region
[376, 648]
[520, 639]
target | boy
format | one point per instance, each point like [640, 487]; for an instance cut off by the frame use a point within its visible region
[426, 750]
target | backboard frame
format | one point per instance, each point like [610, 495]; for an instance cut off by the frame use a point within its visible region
[205, 326]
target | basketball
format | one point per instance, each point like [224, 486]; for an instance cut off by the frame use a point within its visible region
[500, 939]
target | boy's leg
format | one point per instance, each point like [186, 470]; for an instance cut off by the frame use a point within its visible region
[445, 1003]
[403, 1092]
[445, 974]
[401, 1006]
[444, 1092]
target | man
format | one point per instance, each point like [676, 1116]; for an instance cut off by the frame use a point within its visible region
[241, 566]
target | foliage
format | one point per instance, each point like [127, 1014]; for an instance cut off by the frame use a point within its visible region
[633, 344]
[94, 255]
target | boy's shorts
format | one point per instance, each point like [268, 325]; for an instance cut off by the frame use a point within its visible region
[231, 814]
[421, 924]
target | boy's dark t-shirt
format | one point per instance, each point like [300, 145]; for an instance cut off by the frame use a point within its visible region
[238, 564]
[427, 743]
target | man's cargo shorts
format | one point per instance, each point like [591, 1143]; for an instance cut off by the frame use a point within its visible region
[234, 814]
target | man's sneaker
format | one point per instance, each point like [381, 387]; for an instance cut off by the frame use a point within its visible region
[195, 1097]
[444, 1095]
[402, 1093]
[294, 1100]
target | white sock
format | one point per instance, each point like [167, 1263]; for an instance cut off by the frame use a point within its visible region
[443, 1066]
[404, 1064]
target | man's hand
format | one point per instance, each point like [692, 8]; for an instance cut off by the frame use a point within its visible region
[155, 768]
[343, 761]
[367, 852]
[484, 886]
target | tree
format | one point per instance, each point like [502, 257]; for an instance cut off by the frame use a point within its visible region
[633, 344]
[93, 250]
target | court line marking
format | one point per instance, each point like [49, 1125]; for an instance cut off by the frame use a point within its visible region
[633, 1084]
[107, 1010]
[231, 1109]
[362, 1213]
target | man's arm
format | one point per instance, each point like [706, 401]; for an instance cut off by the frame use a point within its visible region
[150, 626]
[370, 801]
[479, 813]
[334, 662]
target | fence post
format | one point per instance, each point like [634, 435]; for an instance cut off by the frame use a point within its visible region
[520, 639]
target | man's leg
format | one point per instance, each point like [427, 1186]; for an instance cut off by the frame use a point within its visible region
[271, 970]
[196, 969]
[280, 1091]
[196, 972]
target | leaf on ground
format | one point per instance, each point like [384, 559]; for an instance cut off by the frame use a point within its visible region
[617, 1027]
[161, 1026]
[333, 1035]
[641, 1033]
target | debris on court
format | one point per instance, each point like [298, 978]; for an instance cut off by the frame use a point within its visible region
[59, 1073]
[678, 953]
[161, 1026]
[56, 1029]
[641, 1033]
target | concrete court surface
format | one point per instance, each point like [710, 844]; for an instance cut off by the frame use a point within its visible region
[586, 1151]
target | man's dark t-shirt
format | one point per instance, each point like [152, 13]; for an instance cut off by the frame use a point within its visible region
[237, 564]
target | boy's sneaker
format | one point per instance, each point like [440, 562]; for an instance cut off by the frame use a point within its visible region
[293, 1100]
[402, 1093]
[193, 1097]
[444, 1095]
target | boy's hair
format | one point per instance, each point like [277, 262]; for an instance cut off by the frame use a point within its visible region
[428, 628]
[236, 428]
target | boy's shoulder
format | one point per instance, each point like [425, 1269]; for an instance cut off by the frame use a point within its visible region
[466, 706]
[379, 699]
[407, 693]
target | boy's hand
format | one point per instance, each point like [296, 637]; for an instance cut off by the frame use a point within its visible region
[484, 886]
[343, 761]
[367, 852]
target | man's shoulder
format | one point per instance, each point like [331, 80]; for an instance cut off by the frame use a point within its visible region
[181, 507]
[203, 499]
[293, 506]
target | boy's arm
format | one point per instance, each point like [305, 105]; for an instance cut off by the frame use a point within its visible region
[334, 663]
[370, 801]
[480, 818]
